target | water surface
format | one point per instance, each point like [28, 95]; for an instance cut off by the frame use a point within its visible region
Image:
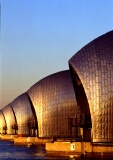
[9, 151]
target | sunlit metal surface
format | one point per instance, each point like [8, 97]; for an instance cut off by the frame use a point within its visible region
[93, 66]
[2, 123]
[54, 101]
[24, 115]
[10, 119]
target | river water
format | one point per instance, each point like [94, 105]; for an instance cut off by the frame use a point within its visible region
[9, 151]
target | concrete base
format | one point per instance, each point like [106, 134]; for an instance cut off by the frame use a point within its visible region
[77, 149]
[24, 141]
[29, 141]
[8, 137]
[40, 141]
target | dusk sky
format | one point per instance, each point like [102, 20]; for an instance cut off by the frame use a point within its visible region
[38, 37]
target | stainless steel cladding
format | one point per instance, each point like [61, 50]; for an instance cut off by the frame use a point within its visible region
[10, 119]
[92, 74]
[54, 101]
[24, 115]
[3, 125]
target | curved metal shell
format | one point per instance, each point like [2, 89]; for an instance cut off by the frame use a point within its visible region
[92, 69]
[10, 119]
[23, 112]
[2, 123]
[54, 101]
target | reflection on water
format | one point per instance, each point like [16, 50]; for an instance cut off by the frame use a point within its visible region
[11, 152]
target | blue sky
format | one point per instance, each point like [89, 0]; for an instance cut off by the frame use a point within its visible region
[38, 37]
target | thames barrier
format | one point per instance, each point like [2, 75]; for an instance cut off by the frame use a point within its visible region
[69, 112]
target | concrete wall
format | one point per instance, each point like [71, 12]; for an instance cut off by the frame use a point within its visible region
[8, 137]
[82, 147]
[29, 141]
[63, 146]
